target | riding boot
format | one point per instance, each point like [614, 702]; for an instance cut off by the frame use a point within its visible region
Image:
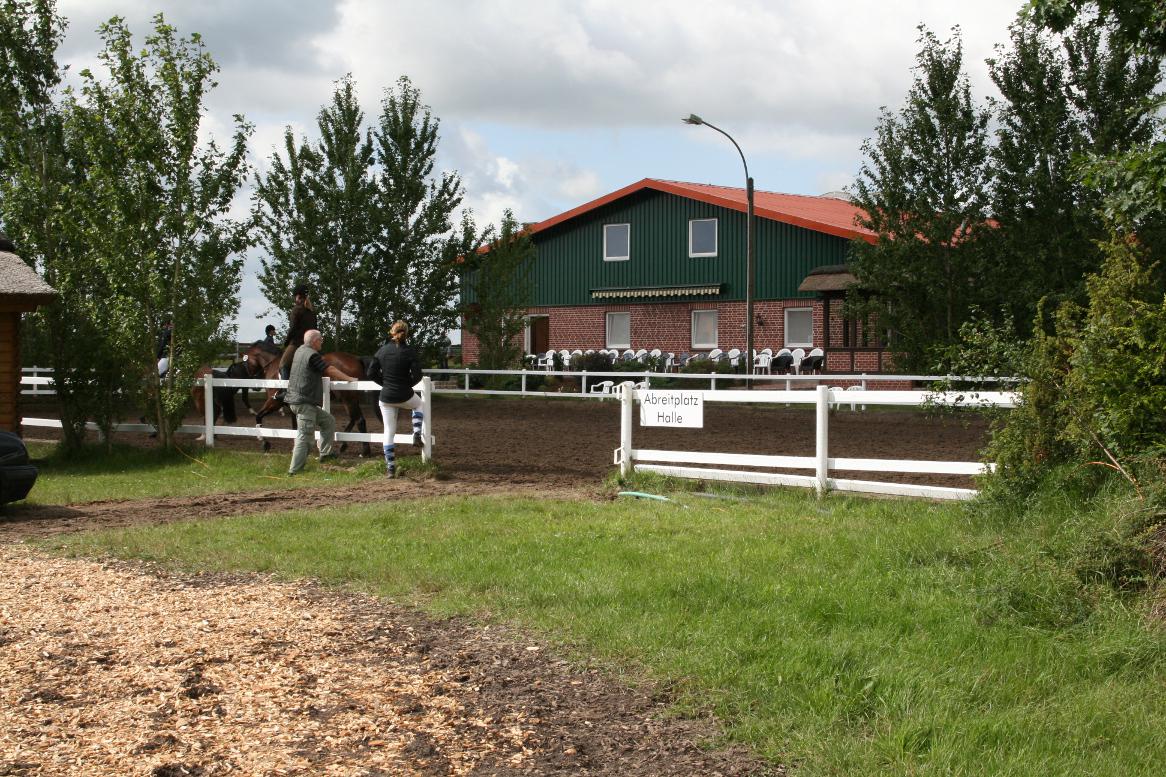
[390, 462]
[284, 374]
[418, 417]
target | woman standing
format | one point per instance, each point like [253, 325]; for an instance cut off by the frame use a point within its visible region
[400, 370]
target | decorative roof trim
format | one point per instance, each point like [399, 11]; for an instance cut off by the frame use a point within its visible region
[657, 291]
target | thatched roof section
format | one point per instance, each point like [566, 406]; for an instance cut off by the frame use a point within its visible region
[834, 277]
[20, 286]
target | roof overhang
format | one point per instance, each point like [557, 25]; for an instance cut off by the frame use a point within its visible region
[658, 292]
[834, 278]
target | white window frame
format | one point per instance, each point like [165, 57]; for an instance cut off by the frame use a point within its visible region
[790, 343]
[624, 258]
[607, 328]
[716, 238]
[717, 333]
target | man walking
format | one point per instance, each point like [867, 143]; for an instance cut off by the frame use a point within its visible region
[305, 396]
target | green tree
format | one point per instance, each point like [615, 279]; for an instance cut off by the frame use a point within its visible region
[500, 279]
[152, 210]
[416, 273]
[39, 184]
[1063, 98]
[924, 189]
[316, 216]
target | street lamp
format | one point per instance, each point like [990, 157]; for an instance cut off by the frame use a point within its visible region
[696, 120]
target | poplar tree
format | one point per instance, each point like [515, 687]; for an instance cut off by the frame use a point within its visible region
[416, 273]
[41, 182]
[154, 215]
[924, 189]
[500, 279]
[315, 211]
[1064, 98]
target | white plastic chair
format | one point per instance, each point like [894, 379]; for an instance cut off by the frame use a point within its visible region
[852, 402]
[761, 363]
[602, 387]
[546, 361]
[641, 354]
[798, 354]
[715, 355]
[734, 357]
[628, 355]
[817, 359]
[670, 362]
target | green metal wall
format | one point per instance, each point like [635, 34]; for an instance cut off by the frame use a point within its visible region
[570, 256]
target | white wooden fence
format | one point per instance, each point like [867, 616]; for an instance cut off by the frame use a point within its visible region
[209, 430]
[630, 458]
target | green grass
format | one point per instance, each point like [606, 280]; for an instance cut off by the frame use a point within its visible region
[843, 636]
[140, 473]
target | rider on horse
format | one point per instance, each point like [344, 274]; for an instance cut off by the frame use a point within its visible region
[301, 320]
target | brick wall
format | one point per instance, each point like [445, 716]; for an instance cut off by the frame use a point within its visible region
[668, 326]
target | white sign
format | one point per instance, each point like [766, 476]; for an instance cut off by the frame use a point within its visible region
[672, 408]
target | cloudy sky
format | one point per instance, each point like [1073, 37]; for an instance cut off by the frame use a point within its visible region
[545, 104]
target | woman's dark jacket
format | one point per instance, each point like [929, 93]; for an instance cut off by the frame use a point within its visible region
[400, 371]
[301, 320]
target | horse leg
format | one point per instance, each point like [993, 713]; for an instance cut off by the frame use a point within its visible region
[367, 449]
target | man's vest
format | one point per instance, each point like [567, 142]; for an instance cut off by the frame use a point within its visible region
[304, 385]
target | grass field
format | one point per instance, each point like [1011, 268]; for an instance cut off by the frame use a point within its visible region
[142, 473]
[841, 636]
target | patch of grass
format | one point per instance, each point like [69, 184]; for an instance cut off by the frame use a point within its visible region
[139, 473]
[844, 635]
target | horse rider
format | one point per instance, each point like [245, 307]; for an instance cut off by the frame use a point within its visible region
[300, 321]
[399, 369]
[305, 396]
[269, 335]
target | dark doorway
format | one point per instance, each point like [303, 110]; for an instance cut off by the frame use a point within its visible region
[540, 334]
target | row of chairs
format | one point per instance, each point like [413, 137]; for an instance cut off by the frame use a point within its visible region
[764, 361]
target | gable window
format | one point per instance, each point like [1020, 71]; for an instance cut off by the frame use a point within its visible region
[617, 242]
[702, 237]
[619, 330]
[704, 329]
[799, 327]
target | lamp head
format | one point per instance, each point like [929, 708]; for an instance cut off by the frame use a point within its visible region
[693, 119]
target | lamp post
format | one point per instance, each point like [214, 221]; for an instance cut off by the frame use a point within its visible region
[696, 120]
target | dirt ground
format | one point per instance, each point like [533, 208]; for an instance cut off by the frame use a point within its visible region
[116, 668]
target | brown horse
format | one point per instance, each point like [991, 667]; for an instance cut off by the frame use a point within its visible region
[263, 362]
[224, 398]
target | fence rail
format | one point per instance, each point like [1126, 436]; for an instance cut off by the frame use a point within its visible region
[209, 430]
[629, 458]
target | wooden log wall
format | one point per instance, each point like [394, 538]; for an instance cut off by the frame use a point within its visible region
[9, 371]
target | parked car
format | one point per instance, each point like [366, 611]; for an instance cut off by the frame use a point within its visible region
[17, 476]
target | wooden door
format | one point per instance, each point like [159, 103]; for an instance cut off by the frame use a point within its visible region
[540, 334]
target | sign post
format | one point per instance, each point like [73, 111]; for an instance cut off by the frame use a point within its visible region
[674, 409]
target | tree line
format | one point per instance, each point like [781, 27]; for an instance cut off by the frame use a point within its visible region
[110, 191]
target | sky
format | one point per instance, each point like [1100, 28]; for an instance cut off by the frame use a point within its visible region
[547, 104]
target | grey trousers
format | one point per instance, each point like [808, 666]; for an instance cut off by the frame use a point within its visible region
[309, 418]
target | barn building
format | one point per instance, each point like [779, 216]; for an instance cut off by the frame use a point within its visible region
[21, 291]
[661, 264]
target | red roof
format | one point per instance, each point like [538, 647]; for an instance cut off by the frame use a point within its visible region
[821, 214]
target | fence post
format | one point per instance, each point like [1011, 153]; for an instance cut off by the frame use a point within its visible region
[327, 395]
[524, 380]
[822, 438]
[427, 419]
[467, 379]
[208, 430]
[583, 384]
[627, 404]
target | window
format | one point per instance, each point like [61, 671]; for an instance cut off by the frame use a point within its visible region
[799, 327]
[619, 330]
[704, 329]
[702, 237]
[617, 239]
